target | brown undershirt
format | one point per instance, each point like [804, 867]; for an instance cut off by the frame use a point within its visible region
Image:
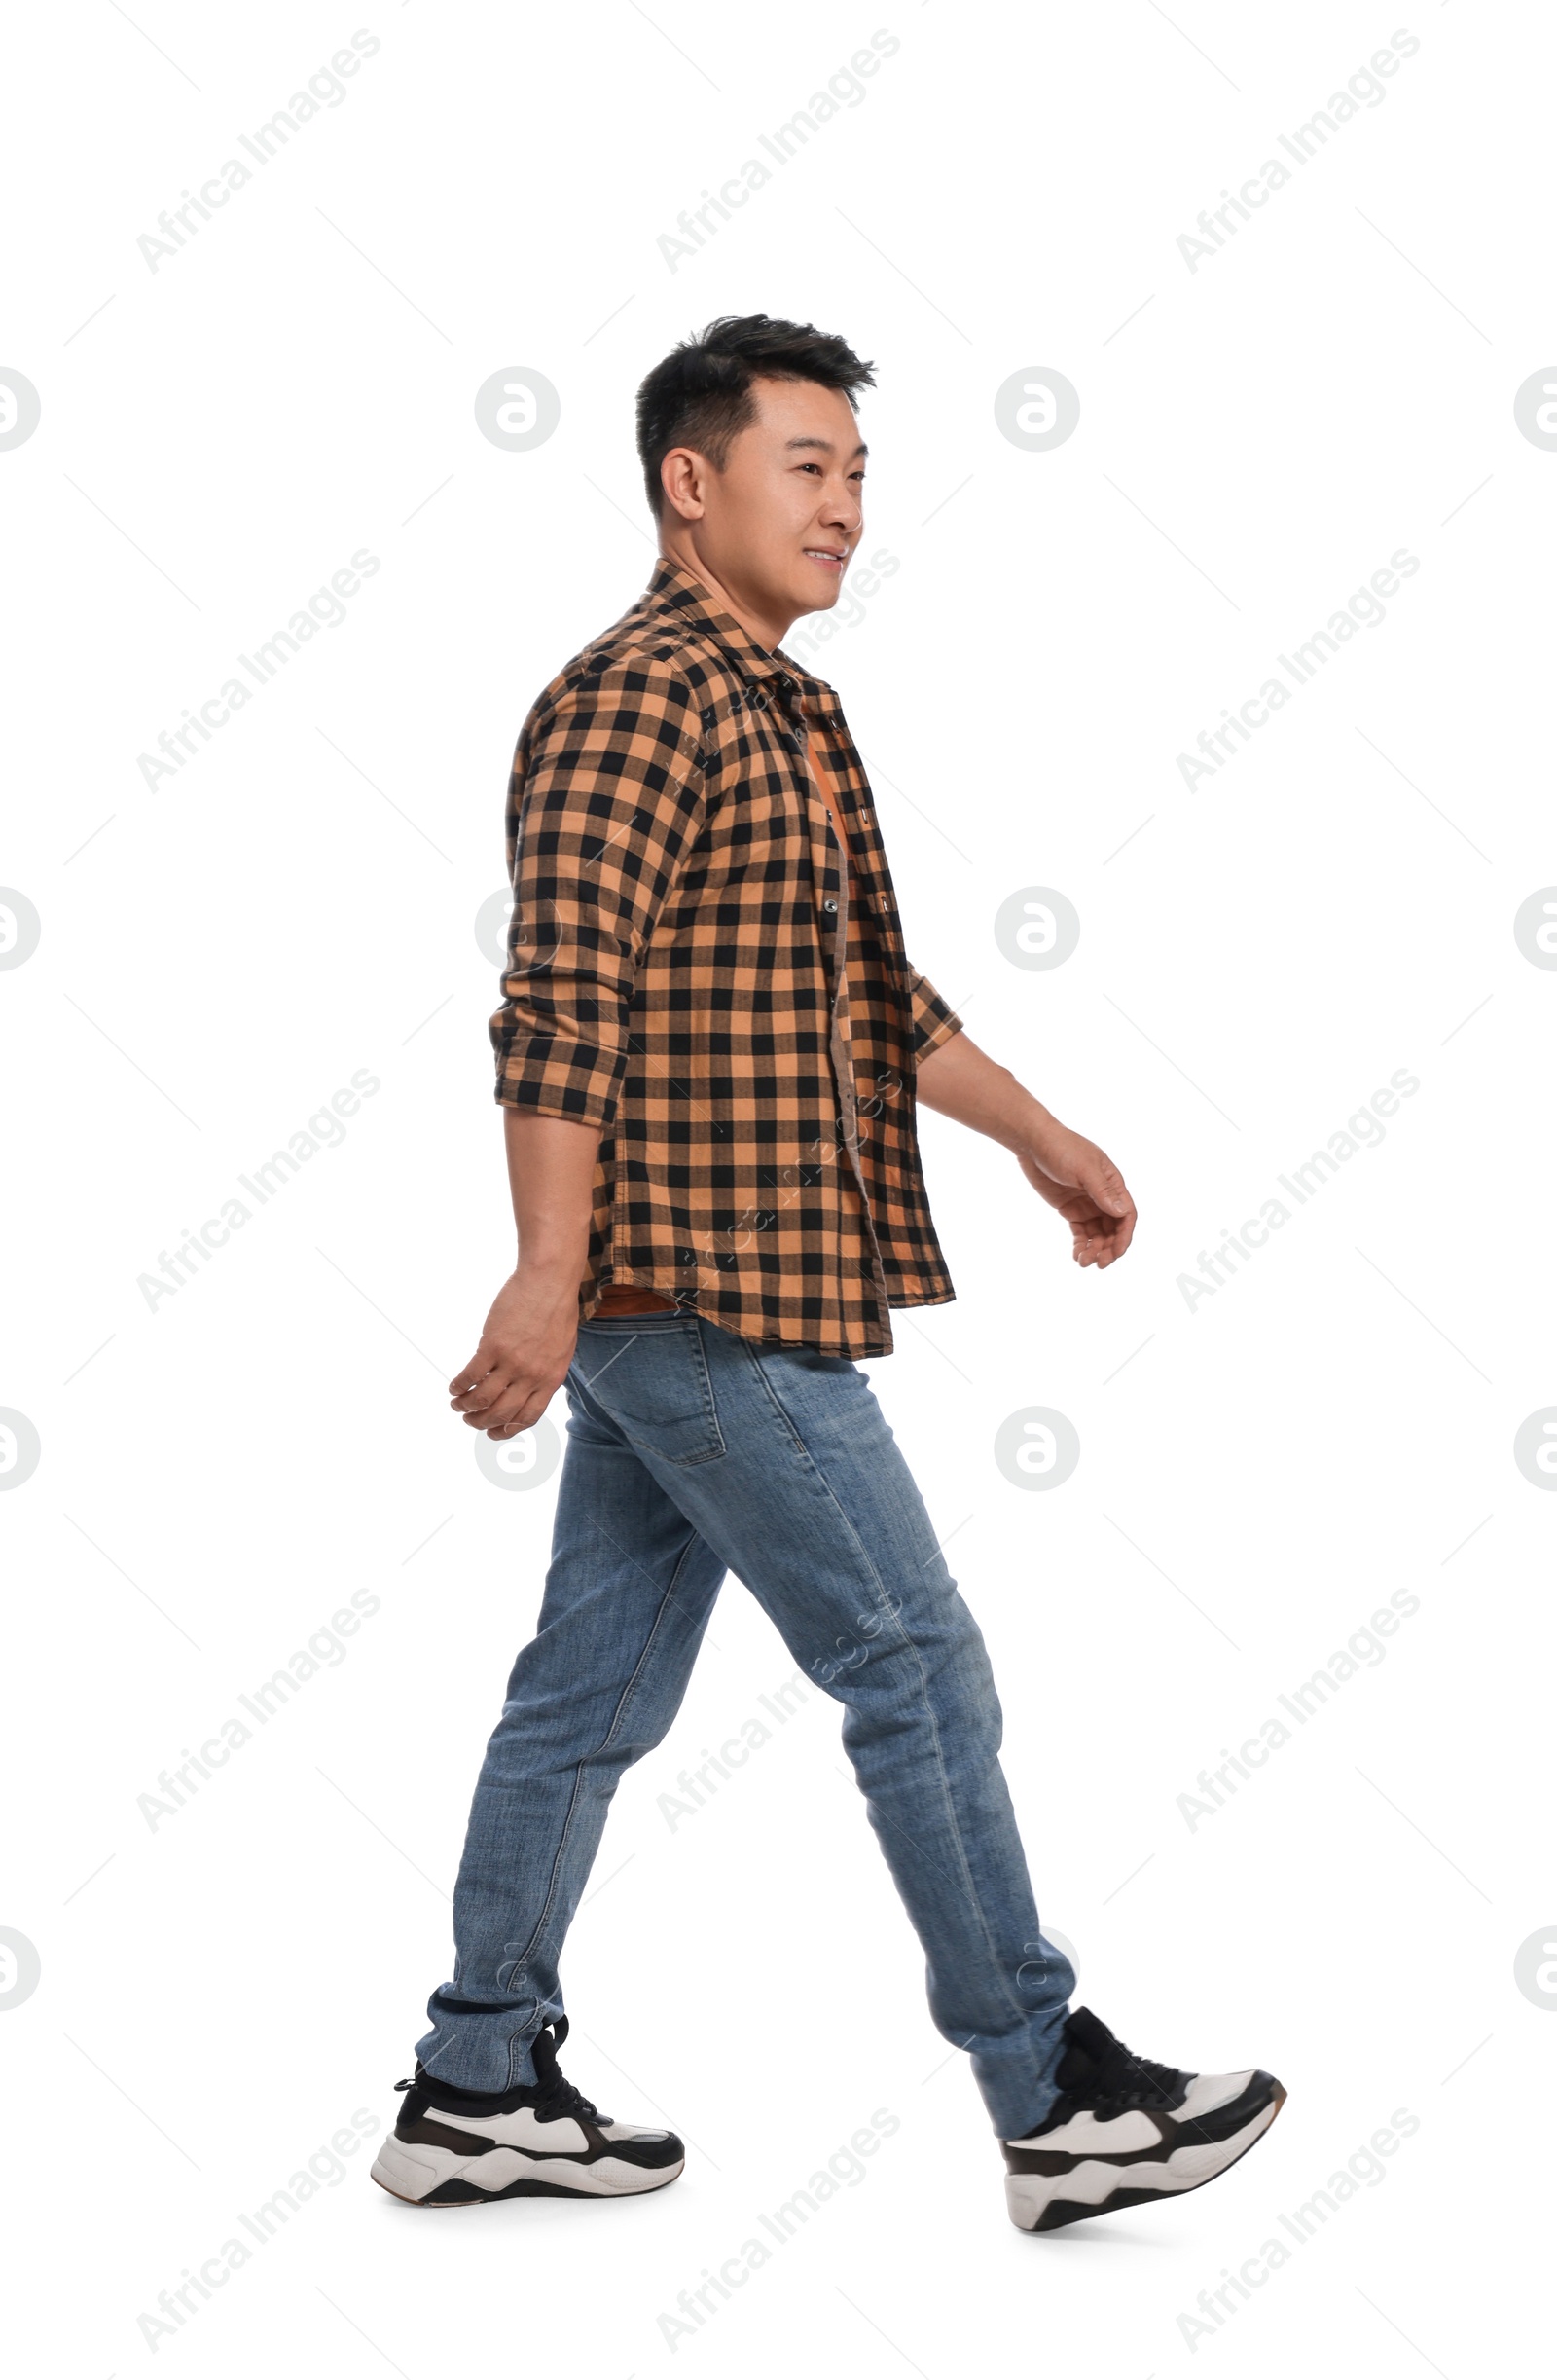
[624, 1297]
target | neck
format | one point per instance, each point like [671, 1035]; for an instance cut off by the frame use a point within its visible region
[765, 627]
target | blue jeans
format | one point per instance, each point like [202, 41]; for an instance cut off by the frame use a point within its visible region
[691, 1452]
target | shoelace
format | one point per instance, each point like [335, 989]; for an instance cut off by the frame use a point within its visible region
[558, 2095]
[1129, 2081]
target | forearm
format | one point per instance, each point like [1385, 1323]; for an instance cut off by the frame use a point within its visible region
[551, 1177]
[1072, 1174]
[532, 1328]
[962, 1081]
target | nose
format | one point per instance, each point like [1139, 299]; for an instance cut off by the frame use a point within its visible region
[843, 510]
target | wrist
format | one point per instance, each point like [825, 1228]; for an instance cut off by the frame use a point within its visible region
[1006, 1112]
[1043, 1134]
[549, 1274]
[1035, 1129]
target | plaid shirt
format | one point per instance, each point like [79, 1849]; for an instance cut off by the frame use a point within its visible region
[690, 968]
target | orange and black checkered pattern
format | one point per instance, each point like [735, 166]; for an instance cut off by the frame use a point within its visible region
[676, 977]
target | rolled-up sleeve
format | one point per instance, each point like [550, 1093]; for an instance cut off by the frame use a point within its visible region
[935, 1020]
[606, 799]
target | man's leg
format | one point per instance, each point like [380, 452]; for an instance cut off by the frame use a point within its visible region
[783, 1463]
[627, 1595]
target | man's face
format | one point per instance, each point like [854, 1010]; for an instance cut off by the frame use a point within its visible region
[778, 523]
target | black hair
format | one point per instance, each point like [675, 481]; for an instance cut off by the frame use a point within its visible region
[700, 394]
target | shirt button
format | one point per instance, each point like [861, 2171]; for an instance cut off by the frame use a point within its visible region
[830, 906]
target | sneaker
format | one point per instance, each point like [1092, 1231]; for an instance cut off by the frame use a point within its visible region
[1125, 2130]
[539, 2139]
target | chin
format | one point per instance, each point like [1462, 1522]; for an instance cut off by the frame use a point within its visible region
[821, 589]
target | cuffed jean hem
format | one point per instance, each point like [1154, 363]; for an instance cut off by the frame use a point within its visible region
[480, 2047]
[1016, 2077]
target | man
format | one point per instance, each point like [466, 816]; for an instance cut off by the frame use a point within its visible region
[709, 1055]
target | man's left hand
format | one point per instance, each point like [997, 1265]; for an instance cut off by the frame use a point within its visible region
[1085, 1187]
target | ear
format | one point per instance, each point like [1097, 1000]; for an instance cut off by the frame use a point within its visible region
[681, 478]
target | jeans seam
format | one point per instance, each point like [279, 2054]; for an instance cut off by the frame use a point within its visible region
[885, 1603]
[522, 1964]
[778, 1405]
[711, 1404]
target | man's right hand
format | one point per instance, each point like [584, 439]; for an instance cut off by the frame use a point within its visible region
[526, 1347]
[531, 1334]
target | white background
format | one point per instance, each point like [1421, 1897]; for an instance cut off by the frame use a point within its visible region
[298, 902]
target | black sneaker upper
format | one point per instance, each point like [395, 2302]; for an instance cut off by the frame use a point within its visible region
[1097, 2072]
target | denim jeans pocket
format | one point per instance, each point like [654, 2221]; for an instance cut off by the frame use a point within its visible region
[655, 1385]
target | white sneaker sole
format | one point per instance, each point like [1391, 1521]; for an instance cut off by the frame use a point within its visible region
[1045, 2202]
[415, 2171]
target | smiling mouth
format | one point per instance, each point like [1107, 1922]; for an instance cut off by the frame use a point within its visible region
[827, 555]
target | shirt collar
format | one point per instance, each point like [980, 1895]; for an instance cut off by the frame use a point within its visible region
[678, 592]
